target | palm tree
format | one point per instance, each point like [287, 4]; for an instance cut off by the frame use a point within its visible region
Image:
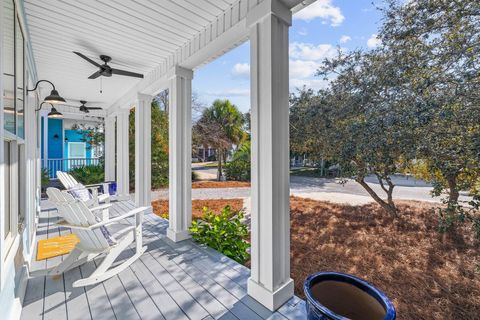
[220, 126]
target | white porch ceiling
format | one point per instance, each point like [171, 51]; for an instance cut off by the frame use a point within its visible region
[140, 36]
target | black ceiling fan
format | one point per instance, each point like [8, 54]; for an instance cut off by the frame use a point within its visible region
[105, 70]
[86, 109]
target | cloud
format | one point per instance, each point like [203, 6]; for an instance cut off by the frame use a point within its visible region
[308, 51]
[345, 39]
[241, 70]
[323, 9]
[232, 92]
[315, 84]
[302, 32]
[373, 41]
[303, 69]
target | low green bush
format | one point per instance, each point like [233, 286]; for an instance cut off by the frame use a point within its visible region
[224, 232]
[89, 174]
[44, 178]
[239, 168]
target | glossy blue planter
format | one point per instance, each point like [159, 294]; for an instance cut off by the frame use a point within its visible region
[351, 298]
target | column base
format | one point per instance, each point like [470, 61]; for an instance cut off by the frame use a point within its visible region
[271, 300]
[177, 236]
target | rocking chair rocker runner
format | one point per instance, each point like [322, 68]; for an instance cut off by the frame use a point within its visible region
[95, 238]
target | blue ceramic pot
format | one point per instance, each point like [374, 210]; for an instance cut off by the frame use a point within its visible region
[339, 296]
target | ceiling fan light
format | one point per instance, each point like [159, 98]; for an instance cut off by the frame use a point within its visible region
[54, 98]
[54, 114]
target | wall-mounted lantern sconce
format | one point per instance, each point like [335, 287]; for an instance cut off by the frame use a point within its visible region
[54, 97]
[56, 136]
[53, 114]
[66, 139]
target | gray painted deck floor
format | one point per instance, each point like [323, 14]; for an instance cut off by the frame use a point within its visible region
[170, 281]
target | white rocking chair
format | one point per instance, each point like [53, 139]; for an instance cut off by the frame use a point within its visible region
[74, 187]
[95, 238]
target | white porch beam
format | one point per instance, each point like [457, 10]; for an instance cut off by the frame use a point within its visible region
[180, 153]
[109, 148]
[123, 189]
[270, 281]
[143, 153]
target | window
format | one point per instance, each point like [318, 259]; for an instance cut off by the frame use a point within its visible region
[9, 65]
[19, 79]
[7, 226]
[13, 71]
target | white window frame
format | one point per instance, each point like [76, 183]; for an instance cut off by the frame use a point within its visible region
[84, 144]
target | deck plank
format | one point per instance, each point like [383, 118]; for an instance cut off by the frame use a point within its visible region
[170, 281]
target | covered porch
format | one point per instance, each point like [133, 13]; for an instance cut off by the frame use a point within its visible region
[165, 42]
[171, 280]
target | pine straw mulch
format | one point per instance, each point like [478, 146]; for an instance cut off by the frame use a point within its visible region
[427, 275]
[219, 184]
[160, 207]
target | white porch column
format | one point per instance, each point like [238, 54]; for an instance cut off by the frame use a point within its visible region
[143, 153]
[180, 153]
[45, 138]
[123, 189]
[109, 148]
[270, 281]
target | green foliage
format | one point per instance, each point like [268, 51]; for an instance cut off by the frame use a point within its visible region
[220, 126]
[239, 168]
[90, 174]
[159, 143]
[224, 232]
[194, 176]
[44, 178]
[455, 214]
[93, 136]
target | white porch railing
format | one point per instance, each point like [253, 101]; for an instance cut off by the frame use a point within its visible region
[67, 164]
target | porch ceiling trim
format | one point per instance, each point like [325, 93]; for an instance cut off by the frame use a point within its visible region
[226, 32]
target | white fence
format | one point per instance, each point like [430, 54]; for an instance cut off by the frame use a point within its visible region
[67, 164]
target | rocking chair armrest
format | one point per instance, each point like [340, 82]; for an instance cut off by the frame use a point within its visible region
[98, 185]
[119, 218]
[63, 223]
[101, 207]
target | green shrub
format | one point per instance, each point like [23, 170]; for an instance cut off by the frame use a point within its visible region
[224, 232]
[44, 178]
[89, 174]
[194, 175]
[239, 168]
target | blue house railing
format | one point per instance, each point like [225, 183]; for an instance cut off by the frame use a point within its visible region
[67, 164]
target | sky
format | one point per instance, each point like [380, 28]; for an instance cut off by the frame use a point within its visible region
[316, 33]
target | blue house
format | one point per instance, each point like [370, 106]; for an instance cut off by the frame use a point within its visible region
[63, 145]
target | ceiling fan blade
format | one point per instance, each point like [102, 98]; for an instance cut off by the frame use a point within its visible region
[94, 108]
[87, 58]
[127, 73]
[95, 75]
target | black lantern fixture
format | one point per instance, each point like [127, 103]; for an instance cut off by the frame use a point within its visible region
[53, 114]
[54, 97]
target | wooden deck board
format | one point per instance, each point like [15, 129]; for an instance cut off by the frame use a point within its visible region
[170, 281]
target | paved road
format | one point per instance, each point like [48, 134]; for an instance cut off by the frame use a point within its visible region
[324, 189]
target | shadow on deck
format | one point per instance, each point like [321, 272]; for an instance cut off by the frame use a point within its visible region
[170, 281]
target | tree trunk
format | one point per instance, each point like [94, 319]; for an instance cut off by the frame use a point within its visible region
[388, 206]
[453, 193]
[219, 160]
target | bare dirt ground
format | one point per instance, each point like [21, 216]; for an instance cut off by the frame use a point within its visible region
[160, 207]
[427, 275]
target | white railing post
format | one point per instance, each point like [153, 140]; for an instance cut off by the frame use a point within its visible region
[270, 281]
[180, 153]
[123, 180]
[143, 145]
[109, 148]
